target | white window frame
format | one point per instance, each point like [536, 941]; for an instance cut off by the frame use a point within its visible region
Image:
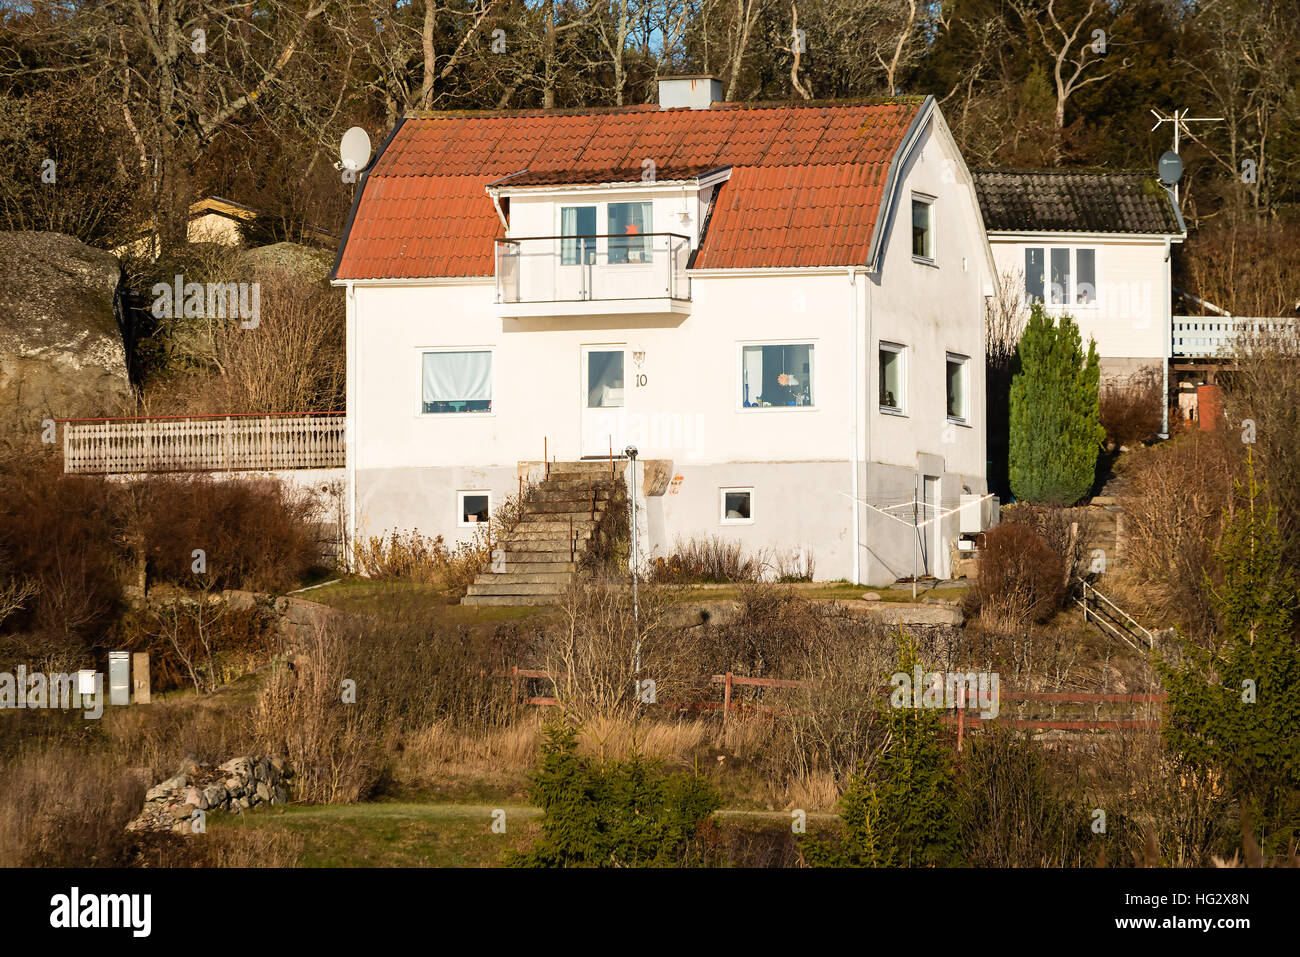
[460, 506]
[933, 258]
[740, 376]
[964, 362]
[1072, 293]
[900, 350]
[722, 505]
[419, 383]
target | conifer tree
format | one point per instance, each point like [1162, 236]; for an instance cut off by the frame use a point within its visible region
[1055, 418]
[1234, 707]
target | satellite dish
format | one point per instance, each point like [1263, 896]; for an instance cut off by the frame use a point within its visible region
[1171, 168]
[355, 149]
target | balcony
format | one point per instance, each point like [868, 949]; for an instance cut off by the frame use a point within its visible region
[593, 275]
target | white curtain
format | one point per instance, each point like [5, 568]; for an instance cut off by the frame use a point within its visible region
[457, 376]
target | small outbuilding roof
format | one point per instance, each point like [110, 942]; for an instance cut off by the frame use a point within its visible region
[1075, 201]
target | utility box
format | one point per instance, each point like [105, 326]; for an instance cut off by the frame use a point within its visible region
[972, 514]
[140, 677]
[119, 677]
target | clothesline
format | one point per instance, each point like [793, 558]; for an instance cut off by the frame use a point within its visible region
[942, 514]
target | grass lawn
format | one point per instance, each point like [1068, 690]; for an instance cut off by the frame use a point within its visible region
[401, 834]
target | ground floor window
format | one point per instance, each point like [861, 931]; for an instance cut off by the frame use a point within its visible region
[474, 507]
[737, 506]
[892, 380]
[957, 386]
[776, 376]
[456, 382]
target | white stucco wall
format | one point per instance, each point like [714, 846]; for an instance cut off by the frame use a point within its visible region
[1131, 317]
[688, 408]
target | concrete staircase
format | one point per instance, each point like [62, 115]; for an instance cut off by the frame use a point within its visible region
[540, 557]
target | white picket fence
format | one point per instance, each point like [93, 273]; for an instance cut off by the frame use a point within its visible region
[204, 444]
[1199, 337]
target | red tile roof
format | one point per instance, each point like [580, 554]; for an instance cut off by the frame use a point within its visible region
[806, 184]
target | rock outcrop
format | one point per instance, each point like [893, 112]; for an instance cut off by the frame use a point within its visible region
[61, 347]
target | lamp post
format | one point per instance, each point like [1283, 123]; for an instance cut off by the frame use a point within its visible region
[630, 452]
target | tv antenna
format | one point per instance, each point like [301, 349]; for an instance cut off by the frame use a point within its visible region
[1179, 118]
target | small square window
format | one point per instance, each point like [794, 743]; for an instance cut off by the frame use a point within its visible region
[475, 508]
[737, 506]
[893, 382]
[923, 228]
[956, 386]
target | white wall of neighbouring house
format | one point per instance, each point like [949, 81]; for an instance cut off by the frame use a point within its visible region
[1130, 319]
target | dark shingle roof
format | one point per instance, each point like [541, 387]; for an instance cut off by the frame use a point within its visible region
[1021, 200]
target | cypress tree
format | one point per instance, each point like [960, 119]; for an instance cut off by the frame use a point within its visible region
[1055, 424]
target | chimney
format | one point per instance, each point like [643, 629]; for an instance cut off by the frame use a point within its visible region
[697, 92]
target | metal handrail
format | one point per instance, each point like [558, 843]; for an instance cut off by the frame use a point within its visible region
[1117, 612]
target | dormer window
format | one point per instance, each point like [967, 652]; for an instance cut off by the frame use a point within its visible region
[578, 221]
[629, 224]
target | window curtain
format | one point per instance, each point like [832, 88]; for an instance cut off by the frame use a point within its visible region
[569, 227]
[457, 376]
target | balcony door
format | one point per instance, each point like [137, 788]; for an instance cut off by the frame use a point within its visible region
[577, 253]
[604, 416]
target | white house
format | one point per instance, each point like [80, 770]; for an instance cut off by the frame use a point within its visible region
[779, 305]
[1094, 244]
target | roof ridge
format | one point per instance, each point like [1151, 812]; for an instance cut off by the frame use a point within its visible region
[907, 100]
[1049, 171]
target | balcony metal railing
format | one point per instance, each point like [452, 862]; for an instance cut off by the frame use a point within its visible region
[593, 268]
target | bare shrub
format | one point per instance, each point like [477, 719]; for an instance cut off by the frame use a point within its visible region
[66, 807]
[335, 748]
[1067, 532]
[255, 534]
[410, 556]
[1132, 409]
[1176, 500]
[708, 560]
[1021, 578]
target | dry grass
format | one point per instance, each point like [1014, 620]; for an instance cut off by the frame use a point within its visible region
[410, 556]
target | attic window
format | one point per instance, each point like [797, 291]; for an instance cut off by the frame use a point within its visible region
[923, 227]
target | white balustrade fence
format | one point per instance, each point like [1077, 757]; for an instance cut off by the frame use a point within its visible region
[205, 444]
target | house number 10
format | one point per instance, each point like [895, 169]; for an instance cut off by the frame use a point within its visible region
[640, 379]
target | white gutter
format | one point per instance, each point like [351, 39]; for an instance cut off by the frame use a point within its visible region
[853, 455]
[1167, 306]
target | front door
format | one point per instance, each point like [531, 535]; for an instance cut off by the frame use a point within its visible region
[604, 417]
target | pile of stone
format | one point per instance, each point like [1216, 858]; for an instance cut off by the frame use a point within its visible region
[239, 784]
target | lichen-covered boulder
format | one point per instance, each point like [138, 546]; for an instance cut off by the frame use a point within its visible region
[61, 347]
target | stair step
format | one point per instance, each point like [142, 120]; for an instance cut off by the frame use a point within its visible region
[567, 506]
[508, 601]
[538, 557]
[524, 578]
[550, 524]
[512, 588]
[543, 567]
[538, 541]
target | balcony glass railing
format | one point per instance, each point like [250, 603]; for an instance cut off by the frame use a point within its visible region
[593, 268]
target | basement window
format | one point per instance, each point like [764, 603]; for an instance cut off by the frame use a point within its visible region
[737, 506]
[474, 508]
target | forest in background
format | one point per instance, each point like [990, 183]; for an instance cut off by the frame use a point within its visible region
[145, 105]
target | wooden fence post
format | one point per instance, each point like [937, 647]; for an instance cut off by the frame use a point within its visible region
[726, 699]
[961, 716]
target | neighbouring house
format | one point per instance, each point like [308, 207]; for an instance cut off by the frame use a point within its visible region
[779, 305]
[221, 222]
[1096, 245]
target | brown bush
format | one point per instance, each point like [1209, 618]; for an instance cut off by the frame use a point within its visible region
[1176, 499]
[1067, 532]
[256, 534]
[710, 560]
[410, 556]
[202, 643]
[66, 807]
[1132, 409]
[57, 538]
[1021, 578]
